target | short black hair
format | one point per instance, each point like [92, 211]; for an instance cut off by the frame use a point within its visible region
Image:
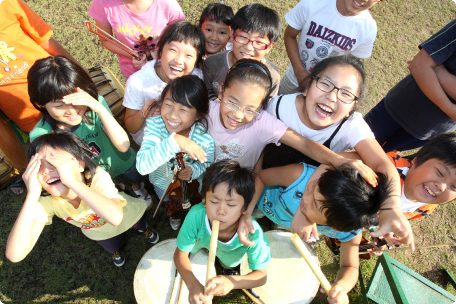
[186, 32]
[442, 147]
[230, 172]
[189, 91]
[51, 78]
[250, 71]
[342, 60]
[69, 142]
[350, 202]
[217, 12]
[256, 17]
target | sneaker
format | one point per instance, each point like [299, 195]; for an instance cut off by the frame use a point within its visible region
[143, 194]
[150, 234]
[175, 222]
[118, 258]
[229, 271]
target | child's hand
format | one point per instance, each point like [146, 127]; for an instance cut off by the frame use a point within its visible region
[191, 148]
[67, 166]
[82, 98]
[244, 228]
[223, 286]
[303, 227]
[196, 295]
[337, 295]
[145, 109]
[186, 174]
[139, 63]
[393, 220]
[367, 173]
[30, 176]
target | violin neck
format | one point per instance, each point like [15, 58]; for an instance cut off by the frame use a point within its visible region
[185, 195]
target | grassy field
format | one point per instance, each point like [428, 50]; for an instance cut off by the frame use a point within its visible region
[65, 267]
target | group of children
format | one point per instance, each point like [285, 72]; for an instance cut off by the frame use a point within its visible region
[211, 93]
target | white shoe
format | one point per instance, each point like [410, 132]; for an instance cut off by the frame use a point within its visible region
[175, 223]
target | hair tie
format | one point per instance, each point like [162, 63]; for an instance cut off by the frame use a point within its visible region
[251, 65]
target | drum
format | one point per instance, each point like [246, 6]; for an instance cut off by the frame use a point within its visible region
[155, 273]
[290, 279]
[13, 159]
[111, 89]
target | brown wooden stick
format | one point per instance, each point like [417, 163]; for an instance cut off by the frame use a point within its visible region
[407, 248]
[311, 262]
[254, 299]
[212, 251]
[176, 276]
[180, 289]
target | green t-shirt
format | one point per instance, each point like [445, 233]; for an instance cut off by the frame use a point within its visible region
[195, 234]
[97, 140]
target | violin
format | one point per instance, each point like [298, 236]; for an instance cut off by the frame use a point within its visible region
[147, 49]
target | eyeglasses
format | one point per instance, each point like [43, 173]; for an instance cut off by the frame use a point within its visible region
[327, 86]
[234, 107]
[256, 44]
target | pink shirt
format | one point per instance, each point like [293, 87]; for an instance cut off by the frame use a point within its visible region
[127, 26]
[246, 143]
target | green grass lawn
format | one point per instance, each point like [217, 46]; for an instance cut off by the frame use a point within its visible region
[66, 267]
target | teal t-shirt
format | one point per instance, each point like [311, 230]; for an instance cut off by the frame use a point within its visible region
[195, 234]
[98, 141]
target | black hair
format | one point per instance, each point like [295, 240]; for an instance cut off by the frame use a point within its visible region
[190, 91]
[183, 31]
[256, 17]
[69, 142]
[442, 147]
[230, 172]
[342, 60]
[217, 12]
[254, 72]
[52, 78]
[350, 202]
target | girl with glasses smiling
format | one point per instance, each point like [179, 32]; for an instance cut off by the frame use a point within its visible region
[325, 112]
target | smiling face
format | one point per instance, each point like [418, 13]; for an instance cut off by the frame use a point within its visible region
[354, 7]
[244, 95]
[49, 177]
[177, 59]
[247, 51]
[65, 115]
[217, 35]
[311, 202]
[321, 109]
[177, 117]
[225, 207]
[433, 182]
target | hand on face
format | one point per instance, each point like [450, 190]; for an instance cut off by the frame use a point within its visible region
[30, 176]
[67, 166]
[82, 98]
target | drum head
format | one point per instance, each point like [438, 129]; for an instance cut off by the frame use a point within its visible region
[155, 273]
[290, 279]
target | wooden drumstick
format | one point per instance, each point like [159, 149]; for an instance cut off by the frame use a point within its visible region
[176, 277]
[212, 251]
[311, 262]
[255, 300]
[180, 289]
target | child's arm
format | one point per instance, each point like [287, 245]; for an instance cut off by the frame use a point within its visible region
[291, 45]
[324, 155]
[69, 172]
[115, 132]
[135, 119]
[54, 48]
[422, 68]
[348, 272]
[391, 217]
[26, 230]
[224, 284]
[447, 80]
[196, 290]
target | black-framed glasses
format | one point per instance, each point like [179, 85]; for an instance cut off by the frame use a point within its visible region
[256, 44]
[327, 86]
[234, 107]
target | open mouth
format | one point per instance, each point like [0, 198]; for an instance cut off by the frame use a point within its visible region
[246, 56]
[176, 70]
[53, 181]
[323, 111]
[73, 117]
[428, 191]
[173, 124]
[212, 45]
[357, 5]
[233, 122]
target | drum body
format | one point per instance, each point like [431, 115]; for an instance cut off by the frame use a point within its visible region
[111, 89]
[13, 159]
[155, 273]
[290, 279]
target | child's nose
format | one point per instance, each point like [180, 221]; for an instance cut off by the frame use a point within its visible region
[332, 96]
[221, 209]
[441, 186]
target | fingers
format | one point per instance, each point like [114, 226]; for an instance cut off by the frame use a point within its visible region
[79, 98]
[315, 232]
[243, 233]
[249, 223]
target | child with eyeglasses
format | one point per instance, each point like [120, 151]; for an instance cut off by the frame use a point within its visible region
[255, 29]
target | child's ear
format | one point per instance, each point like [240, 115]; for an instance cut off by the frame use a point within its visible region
[269, 48]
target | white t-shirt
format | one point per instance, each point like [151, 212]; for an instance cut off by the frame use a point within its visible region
[143, 86]
[354, 130]
[245, 143]
[326, 33]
